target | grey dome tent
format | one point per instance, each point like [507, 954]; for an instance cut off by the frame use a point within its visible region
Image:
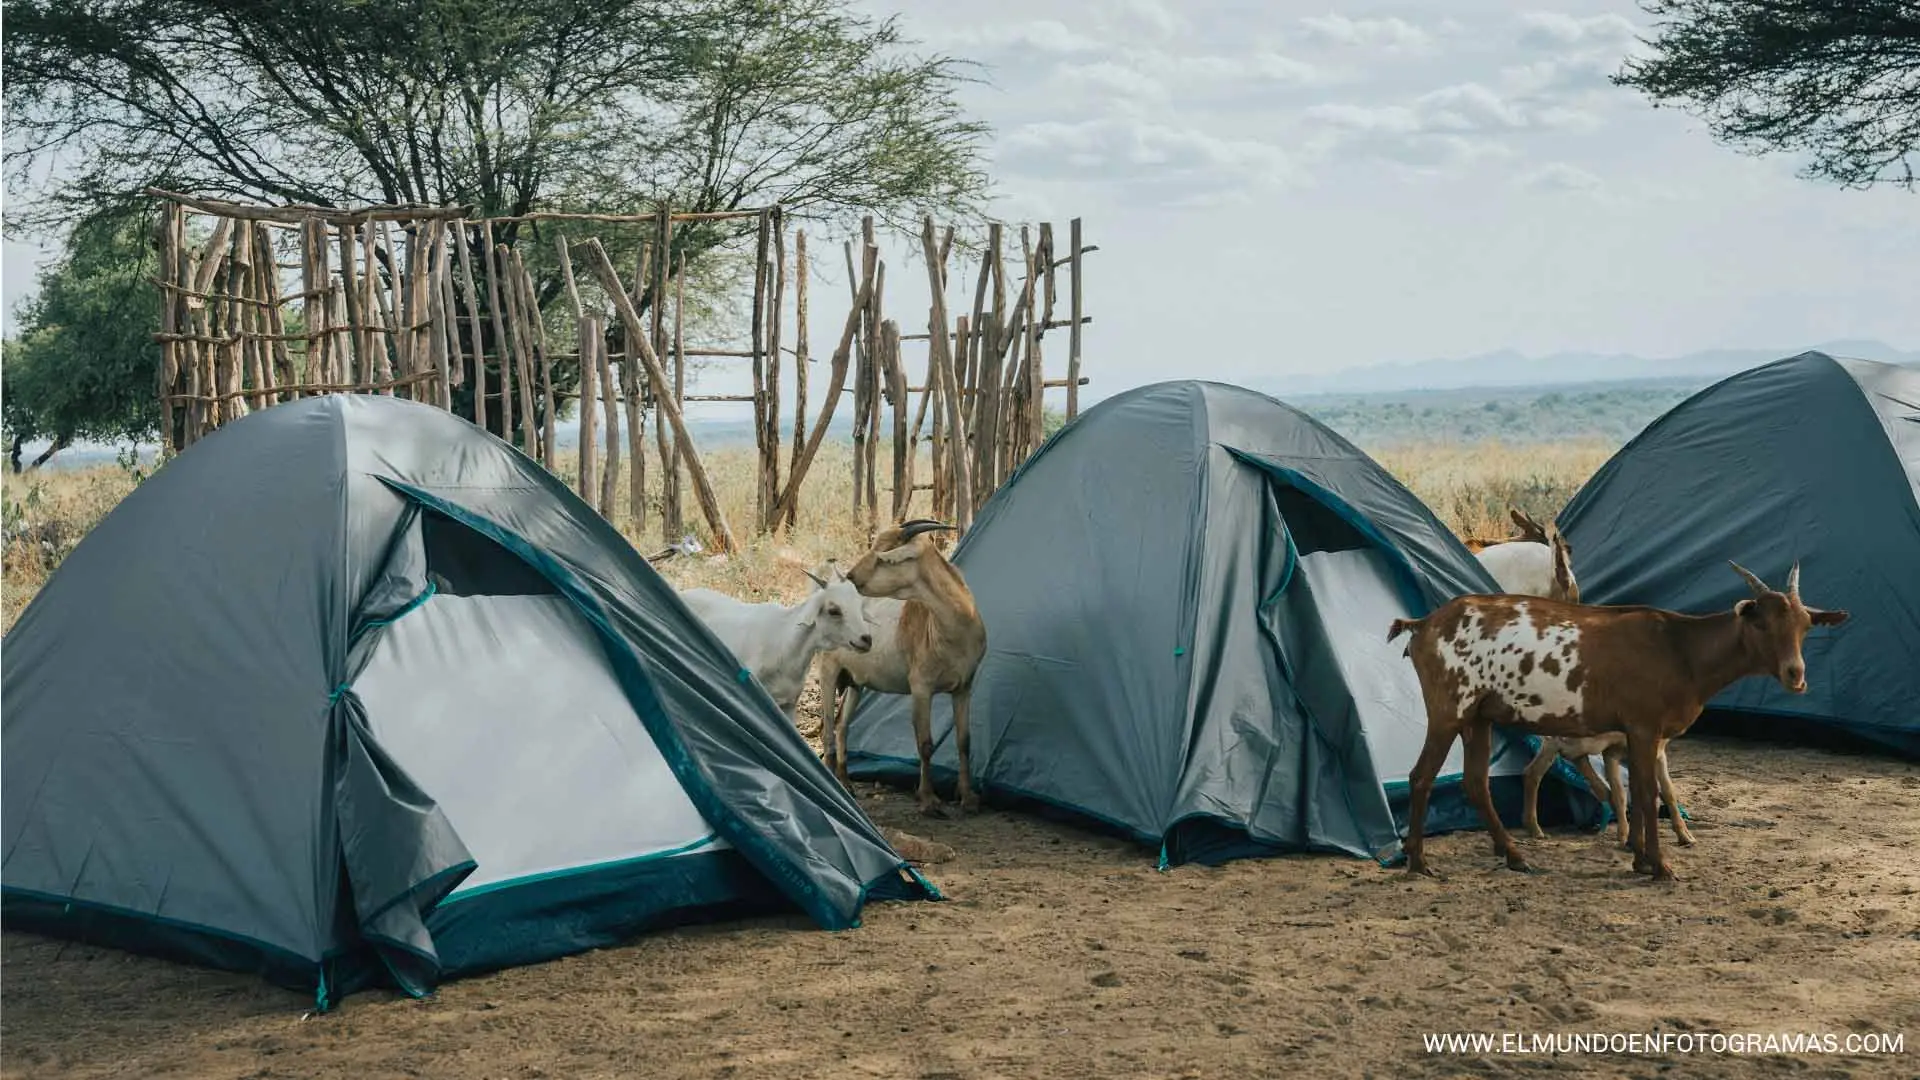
[1812, 458]
[1187, 592]
[352, 692]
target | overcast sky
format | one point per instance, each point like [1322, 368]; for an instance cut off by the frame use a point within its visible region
[1282, 187]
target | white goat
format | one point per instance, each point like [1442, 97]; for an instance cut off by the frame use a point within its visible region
[1540, 563]
[777, 643]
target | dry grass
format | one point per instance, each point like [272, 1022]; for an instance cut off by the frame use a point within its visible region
[1469, 486]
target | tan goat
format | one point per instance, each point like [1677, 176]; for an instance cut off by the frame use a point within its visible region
[1562, 669]
[928, 639]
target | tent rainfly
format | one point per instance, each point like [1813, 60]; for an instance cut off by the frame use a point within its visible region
[352, 692]
[1196, 656]
[1810, 458]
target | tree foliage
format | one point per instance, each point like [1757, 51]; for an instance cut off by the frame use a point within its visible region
[608, 105]
[1837, 80]
[84, 364]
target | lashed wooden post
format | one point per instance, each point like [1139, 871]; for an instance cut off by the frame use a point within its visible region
[282, 357]
[592, 340]
[940, 358]
[502, 348]
[1073, 312]
[762, 498]
[630, 319]
[671, 524]
[837, 384]
[523, 355]
[860, 411]
[775, 303]
[801, 359]
[610, 400]
[897, 388]
[172, 234]
[373, 303]
[630, 387]
[479, 340]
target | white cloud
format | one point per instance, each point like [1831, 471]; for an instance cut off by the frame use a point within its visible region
[1107, 80]
[1387, 33]
[1558, 177]
[1134, 151]
[1550, 30]
[1048, 36]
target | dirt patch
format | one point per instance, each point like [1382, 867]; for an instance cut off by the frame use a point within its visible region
[1061, 953]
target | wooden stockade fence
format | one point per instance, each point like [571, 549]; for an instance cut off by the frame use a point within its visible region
[419, 301]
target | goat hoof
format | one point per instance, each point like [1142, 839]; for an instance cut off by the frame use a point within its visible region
[1521, 866]
[1423, 870]
[1685, 841]
[970, 804]
[1536, 832]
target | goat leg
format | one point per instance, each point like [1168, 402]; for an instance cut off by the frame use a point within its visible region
[1643, 761]
[1617, 795]
[923, 740]
[1681, 834]
[1536, 772]
[1420, 787]
[848, 702]
[962, 706]
[1478, 735]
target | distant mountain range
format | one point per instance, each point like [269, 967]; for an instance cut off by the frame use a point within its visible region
[1512, 369]
[1465, 382]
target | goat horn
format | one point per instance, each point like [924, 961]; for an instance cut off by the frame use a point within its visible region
[911, 529]
[1753, 581]
[1793, 580]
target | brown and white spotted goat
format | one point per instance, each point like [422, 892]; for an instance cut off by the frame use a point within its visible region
[1541, 564]
[1563, 669]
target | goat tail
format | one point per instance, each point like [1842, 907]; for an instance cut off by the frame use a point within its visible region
[1401, 626]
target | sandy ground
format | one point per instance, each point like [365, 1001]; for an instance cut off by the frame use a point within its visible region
[1064, 954]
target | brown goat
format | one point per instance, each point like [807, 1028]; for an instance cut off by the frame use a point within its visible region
[928, 639]
[1563, 669]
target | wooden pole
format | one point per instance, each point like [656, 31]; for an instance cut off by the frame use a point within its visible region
[523, 356]
[389, 298]
[427, 283]
[774, 306]
[455, 373]
[477, 338]
[874, 362]
[940, 359]
[630, 387]
[897, 385]
[762, 497]
[836, 384]
[502, 349]
[630, 319]
[313, 302]
[859, 375]
[276, 322]
[1034, 367]
[610, 400]
[171, 235]
[354, 349]
[592, 341]
[671, 524]
[537, 351]
[1073, 312]
[679, 387]
[380, 362]
[800, 359]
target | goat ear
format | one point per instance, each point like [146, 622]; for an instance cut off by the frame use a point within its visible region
[895, 556]
[1827, 618]
[1746, 609]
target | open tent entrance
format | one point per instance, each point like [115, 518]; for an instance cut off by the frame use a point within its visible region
[1355, 691]
[497, 698]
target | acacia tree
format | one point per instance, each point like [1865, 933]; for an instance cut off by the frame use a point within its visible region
[1838, 80]
[83, 365]
[611, 106]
